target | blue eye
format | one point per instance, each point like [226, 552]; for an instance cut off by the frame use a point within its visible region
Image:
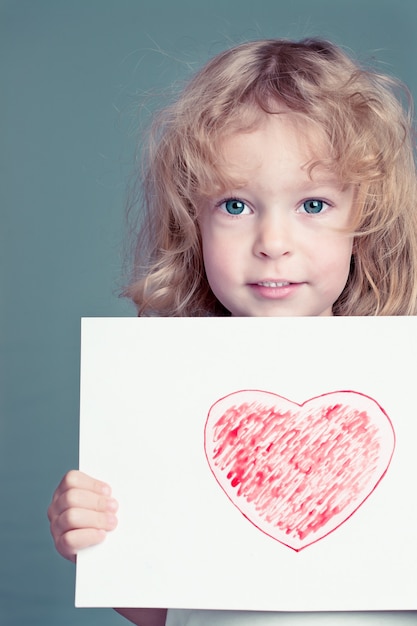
[313, 206]
[234, 207]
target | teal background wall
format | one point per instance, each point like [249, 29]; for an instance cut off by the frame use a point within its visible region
[72, 72]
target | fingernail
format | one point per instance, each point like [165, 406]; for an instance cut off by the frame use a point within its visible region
[105, 490]
[112, 520]
[112, 504]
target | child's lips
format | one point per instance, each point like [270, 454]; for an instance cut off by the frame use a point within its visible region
[275, 289]
[274, 283]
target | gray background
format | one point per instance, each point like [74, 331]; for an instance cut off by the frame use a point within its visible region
[73, 73]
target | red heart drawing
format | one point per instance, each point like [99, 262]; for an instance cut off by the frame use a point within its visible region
[298, 471]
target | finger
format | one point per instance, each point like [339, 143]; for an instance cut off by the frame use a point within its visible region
[69, 544]
[75, 479]
[81, 499]
[68, 493]
[80, 519]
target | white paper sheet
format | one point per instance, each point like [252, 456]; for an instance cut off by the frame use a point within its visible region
[259, 464]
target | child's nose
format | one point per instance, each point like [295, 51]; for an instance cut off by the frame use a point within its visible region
[273, 237]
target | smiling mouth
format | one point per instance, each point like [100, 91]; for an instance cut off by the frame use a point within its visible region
[274, 283]
[275, 289]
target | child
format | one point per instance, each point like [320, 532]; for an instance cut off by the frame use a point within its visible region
[282, 182]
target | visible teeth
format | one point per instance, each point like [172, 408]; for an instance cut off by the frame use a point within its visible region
[270, 283]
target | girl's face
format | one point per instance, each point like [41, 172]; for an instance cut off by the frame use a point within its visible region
[275, 246]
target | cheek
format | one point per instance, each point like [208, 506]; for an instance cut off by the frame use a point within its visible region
[216, 249]
[331, 262]
[336, 250]
[342, 259]
[215, 259]
[347, 247]
[220, 258]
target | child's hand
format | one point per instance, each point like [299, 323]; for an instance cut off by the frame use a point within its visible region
[80, 514]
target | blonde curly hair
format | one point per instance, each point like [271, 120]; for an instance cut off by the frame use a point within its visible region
[369, 130]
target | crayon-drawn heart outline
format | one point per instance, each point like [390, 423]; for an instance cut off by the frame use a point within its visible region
[268, 411]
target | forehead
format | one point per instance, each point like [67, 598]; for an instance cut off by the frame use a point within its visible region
[281, 140]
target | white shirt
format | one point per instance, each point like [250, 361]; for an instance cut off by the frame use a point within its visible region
[184, 617]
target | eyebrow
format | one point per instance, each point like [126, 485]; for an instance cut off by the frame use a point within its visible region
[305, 186]
[328, 181]
[324, 176]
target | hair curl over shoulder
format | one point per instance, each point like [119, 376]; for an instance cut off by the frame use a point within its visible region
[371, 143]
